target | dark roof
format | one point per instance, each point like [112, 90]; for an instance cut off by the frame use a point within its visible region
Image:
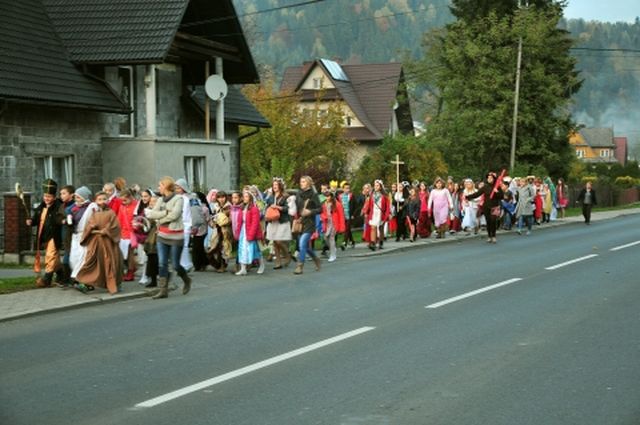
[116, 30]
[371, 92]
[237, 108]
[144, 31]
[34, 67]
[598, 137]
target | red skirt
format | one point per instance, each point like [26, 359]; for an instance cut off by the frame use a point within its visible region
[393, 225]
[424, 225]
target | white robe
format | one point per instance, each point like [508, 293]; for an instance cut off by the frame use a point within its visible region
[78, 252]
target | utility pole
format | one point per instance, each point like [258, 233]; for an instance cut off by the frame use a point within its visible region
[512, 158]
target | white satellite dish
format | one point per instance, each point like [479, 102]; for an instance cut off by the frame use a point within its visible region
[215, 87]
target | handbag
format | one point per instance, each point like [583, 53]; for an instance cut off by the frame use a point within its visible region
[296, 226]
[495, 211]
[272, 214]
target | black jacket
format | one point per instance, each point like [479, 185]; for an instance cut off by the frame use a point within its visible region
[312, 200]
[52, 228]
[583, 193]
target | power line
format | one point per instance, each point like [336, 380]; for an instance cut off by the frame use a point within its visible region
[258, 12]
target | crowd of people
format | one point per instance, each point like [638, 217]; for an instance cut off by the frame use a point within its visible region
[104, 237]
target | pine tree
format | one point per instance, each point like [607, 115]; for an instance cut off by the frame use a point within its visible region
[474, 64]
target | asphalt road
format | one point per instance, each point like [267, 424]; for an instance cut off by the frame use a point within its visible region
[459, 333]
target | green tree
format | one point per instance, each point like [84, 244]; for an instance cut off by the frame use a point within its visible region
[300, 141]
[421, 162]
[473, 66]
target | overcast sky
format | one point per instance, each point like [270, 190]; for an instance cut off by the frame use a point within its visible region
[603, 10]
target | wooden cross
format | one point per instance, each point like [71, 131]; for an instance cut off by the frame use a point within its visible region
[397, 163]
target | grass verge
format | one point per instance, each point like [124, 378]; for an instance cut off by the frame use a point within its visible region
[17, 284]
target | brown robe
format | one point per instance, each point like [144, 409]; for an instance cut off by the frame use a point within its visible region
[103, 261]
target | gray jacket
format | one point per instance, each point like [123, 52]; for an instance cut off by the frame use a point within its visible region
[526, 195]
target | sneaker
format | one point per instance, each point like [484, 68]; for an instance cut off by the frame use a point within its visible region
[528, 232]
[332, 259]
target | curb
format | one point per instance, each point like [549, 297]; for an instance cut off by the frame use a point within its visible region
[87, 303]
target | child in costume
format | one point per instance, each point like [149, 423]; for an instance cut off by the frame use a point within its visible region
[47, 219]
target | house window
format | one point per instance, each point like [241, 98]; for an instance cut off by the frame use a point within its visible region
[194, 170]
[580, 153]
[58, 168]
[126, 84]
[318, 83]
[604, 153]
[348, 120]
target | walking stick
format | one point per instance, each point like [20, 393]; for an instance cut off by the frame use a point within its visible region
[36, 265]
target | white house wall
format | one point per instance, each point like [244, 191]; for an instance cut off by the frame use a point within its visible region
[317, 72]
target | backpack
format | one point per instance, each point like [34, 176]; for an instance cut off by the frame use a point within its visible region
[197, 215]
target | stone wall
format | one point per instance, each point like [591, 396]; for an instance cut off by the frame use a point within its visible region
[28, 132]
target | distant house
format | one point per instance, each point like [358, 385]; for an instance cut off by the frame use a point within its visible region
[622, 149]
[594, 145]
[94, 90]
[372, 97]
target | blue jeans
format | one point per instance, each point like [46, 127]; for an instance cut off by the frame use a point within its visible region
[528, 218]
[164, 251]
[304, 247]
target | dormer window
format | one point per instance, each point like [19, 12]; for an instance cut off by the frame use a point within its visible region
[348, 119]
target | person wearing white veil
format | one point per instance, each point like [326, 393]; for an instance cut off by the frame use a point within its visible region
[81, 212]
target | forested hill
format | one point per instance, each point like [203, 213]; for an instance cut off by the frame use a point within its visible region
[360, 31]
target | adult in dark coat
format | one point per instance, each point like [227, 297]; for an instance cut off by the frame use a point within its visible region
[587, 198]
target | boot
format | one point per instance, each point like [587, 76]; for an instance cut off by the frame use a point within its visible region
[316, 260]
[299, 267]
[186, 280]
[261, 267]
[278, 254]
[163, 290]
[242, 271]
[286, 256]
[153, 283]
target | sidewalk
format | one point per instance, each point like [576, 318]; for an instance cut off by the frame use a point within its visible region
[41, 301]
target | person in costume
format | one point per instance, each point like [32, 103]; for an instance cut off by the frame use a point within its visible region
[168, 214]
[81, 212]
[440, 205]
[562, 193]
[400, 198]
[113, 197]
[454, 216]
[47, 219]
[68, 201]
[424, 221]
[378, 210]
[364, 213]
[221, 242]
[308, 207]
[103, 262]
[412, 208]
[128, 243]
[150, 245]
[141, 232]
[491, 207]
[279, 230]
[333, 222]
[347, 202]
[200, 261]
[469, 208]
[250, 234]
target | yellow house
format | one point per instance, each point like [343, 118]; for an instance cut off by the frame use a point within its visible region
[594, 144]
[372, 98]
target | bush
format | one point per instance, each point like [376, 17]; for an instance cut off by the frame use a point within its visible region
[626, 182]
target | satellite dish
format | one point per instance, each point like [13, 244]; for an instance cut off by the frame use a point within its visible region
[215, 87]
